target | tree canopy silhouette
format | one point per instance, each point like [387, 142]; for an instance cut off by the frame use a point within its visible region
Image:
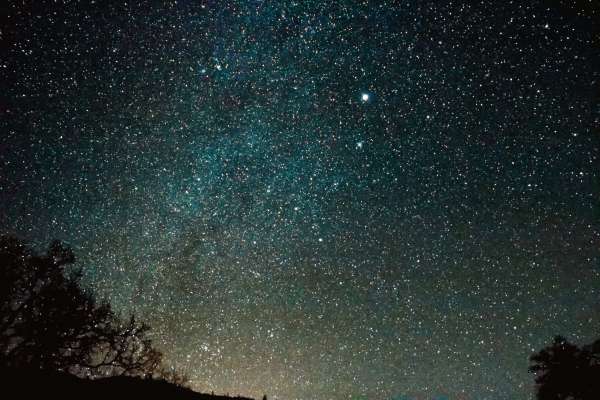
[47, 321]
[566, 371]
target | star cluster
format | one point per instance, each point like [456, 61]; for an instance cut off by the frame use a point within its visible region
[317, 199]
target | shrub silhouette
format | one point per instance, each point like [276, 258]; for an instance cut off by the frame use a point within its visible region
[566, 371]
[47, 321]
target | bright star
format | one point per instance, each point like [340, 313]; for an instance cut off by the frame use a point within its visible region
[365, 97]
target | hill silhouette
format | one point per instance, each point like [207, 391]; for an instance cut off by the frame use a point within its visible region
[41, 384]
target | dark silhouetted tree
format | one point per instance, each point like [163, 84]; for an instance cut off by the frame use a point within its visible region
[566, 371]
[47, 321]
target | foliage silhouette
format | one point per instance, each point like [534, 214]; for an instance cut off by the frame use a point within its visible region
[566, 371]
[48, 322]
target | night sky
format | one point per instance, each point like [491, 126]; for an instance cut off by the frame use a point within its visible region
[317, 199]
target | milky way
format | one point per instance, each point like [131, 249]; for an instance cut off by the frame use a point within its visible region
[317, 199]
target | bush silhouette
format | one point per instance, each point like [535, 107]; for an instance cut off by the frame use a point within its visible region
[566, 371]
[48, 322]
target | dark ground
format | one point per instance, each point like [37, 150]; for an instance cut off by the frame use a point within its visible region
[45, 384]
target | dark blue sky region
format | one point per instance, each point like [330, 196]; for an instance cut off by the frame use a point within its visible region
[315, 199]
